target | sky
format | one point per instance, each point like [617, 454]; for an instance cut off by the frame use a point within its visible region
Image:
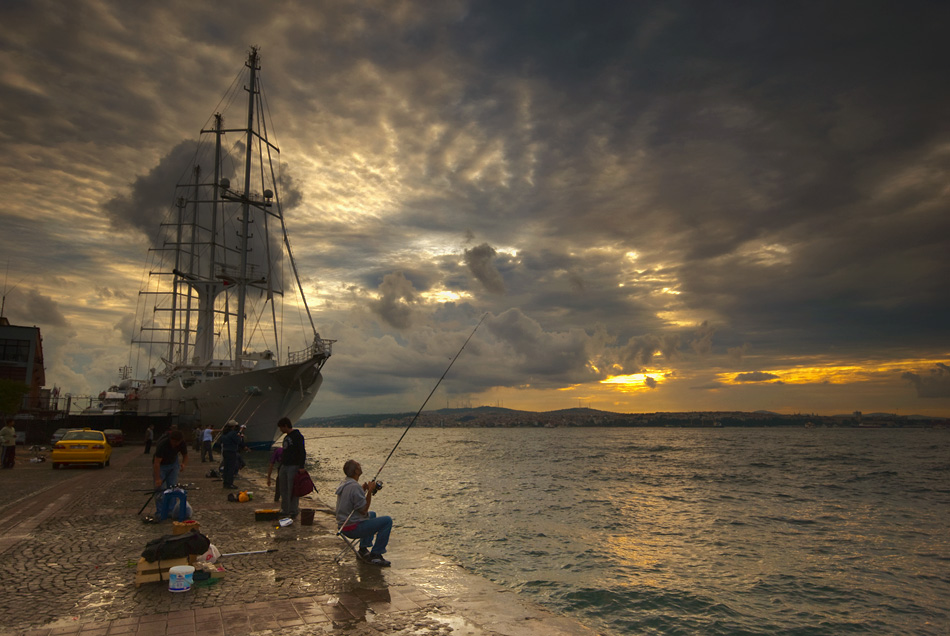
[655, 206]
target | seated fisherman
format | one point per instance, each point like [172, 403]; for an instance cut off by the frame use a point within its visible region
[355, 518]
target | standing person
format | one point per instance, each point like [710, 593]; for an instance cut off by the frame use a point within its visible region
[149, 436]
[166, 466]
[8, 442]
[230, 443]
[207, 437]
[355, 519]
[275, 456]
[198, 428]
[293, 460]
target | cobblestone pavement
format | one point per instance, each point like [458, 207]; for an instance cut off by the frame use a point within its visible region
[72, 537]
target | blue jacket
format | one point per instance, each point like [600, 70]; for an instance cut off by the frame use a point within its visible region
[230, 441]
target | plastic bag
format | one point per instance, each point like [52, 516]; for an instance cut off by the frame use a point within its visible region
[210, 556]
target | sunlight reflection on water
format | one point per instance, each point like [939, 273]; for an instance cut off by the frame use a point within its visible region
[712, 531]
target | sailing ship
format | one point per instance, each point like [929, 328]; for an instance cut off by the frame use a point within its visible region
[208, 318]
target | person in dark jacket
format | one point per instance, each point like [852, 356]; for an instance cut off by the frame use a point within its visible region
[293, 461]
[230, 444]
[166, 466]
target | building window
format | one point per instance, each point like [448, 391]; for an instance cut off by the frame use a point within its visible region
[14, 350]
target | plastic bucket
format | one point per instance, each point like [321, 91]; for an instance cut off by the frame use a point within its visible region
[306, 517]
[180, 578]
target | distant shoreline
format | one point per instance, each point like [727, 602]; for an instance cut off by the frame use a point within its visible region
[496, 417]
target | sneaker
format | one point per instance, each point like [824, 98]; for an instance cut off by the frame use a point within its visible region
[377, 559]
[364, 553]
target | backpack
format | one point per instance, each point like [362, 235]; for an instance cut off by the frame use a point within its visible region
[176, 546]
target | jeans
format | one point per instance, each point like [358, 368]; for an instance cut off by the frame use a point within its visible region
[289, 505]
[169, 477]
[206, 448]
[379, 526]
[230, 467]
[9, 456]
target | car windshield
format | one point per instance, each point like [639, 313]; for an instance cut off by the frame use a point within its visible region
[83, 435]
[60, 431]
[112, 431]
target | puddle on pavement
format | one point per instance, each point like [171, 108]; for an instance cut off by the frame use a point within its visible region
[457, 625]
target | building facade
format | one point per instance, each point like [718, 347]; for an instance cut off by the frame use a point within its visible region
[21, 360]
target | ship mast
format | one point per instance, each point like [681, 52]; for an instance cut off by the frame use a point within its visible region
[245, 222]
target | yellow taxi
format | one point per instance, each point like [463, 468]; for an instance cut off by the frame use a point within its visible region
[82, 446]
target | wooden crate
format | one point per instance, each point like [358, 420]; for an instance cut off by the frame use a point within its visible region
[155, 571]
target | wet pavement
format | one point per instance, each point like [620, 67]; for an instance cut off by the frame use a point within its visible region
[71, 539]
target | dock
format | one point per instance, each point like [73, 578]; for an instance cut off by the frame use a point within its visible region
[72, 538]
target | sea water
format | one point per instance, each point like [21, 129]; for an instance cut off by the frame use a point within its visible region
[678, 531]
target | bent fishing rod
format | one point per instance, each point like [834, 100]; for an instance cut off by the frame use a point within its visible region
[431, 393]
[339, 532]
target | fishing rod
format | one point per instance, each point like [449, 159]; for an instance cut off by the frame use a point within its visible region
[339, 531]
[251, 552]
[431, 393]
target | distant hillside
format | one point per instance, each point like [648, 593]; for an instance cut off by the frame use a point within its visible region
[493, 416]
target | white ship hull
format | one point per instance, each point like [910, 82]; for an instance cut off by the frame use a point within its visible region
[255, 398]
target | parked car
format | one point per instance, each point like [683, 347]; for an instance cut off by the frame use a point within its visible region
[84, 446]
[58, 435]
[115, 436]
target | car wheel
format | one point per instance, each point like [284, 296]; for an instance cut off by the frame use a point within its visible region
[108, 461]
[55, 465]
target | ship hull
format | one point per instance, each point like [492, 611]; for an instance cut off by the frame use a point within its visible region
[257, 399]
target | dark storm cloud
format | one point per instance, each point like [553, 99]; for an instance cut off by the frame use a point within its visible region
[289, 192]
[151, 195]
[783, 150]
[755, 376]
[43, 310]
[395, 301]
[935, 384]
[479, 262]
[537, 356]
[608, 172]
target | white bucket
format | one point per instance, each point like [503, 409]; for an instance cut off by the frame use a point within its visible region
[180, 578]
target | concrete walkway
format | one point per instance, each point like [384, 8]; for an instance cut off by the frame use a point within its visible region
[71, 539]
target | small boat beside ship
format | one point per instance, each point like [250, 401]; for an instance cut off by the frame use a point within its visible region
[208, 320]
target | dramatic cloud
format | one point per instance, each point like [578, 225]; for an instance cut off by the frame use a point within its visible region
[151, 194]
[479, 261]
[756, 376]
[934, 385]
[685, 191]
[43, 310]
[396, 297]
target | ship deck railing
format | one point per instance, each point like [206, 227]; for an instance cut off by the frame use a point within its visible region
[321, 348]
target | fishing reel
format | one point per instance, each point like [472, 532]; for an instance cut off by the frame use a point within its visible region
[379, 486]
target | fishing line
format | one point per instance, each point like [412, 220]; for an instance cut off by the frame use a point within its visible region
[430, 396]
[351, 541]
